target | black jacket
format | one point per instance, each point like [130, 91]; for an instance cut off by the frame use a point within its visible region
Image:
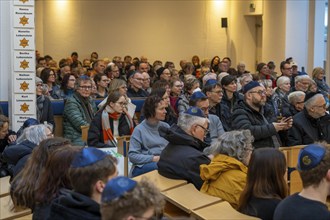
[307, 130]
[17, 155]
[95, 132]
[182, 157]
[74, 206]
[47, 113]
[244, 117]
[227, 107]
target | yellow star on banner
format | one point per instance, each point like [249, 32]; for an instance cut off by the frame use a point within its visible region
[24, 20]
[24, 86]
[24, 42]
[23, 1]
[24, 107]
[24, 64]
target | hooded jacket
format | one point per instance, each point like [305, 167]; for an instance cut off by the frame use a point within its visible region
[74, 206]
[224, 177]
[182, 157]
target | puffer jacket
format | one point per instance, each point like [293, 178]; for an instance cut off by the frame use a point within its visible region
[73, 118]
[224, 177]
[182, 157]
[244, 117]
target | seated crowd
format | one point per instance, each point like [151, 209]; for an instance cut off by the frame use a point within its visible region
[213, 125]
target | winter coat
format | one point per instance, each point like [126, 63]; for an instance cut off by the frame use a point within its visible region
[74, 206]
[17, 155]
[244, 117]
[73, 118]
[224, 177]
[182, 157]
[95, 132]
[307, 130]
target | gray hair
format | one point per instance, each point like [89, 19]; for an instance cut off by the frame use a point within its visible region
[245, 75]
[294, 96]
[281, 80]
[82, 79]
[234, 144]
[186, 121]
[300, 78]
[35, 133]
[310, 102]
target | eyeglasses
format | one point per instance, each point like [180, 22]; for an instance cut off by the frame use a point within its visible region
[85, 87]
[290, 68]
[178, 86]
[260, 92]
[139, 79]
[39, 85]
[206, 131]
[218, 92]
[122, 103]
[321, 106]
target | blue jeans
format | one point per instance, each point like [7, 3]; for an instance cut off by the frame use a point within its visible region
[144, 169]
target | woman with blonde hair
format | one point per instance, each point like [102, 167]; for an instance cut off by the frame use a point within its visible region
[318, 75]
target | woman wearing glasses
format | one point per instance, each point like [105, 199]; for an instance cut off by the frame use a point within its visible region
[225, 176]
[78, 110]
[110, 122]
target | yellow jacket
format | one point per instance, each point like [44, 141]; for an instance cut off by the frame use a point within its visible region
[224, 177]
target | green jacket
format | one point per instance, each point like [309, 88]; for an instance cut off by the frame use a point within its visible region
[73, 118]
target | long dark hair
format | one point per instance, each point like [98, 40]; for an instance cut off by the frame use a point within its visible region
[265, 177]
[64, 83]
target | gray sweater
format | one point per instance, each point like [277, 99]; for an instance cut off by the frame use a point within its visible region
[146, 142]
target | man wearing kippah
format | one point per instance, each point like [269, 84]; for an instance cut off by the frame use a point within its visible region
[126, 199]
[90, 171]
[314, 169]
[249, 114]
[312, 123]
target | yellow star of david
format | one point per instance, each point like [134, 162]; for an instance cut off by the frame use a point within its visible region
[24, 42]
[24, 20]
[24, 64]
[24, 86]
[24, 107]
[23, 1]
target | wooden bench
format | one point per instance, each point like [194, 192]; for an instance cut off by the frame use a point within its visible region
[5, 209]
[4, 186]
[221, 210]
[188, 198]
[162, 183]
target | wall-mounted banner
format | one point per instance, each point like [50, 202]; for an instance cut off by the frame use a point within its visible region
[24, 83]
[23, 39]
[24, 104]
[24, 2]
[23, 17]
[18, 120]
[24, 61]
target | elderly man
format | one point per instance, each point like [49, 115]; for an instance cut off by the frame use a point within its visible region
[135, 81]
[301, 83]
[98, 67]
[248, 114]
[183, 155]
[312, 124]
[296, 100]
[78, 110]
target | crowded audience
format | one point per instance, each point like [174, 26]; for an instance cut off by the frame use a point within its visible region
[217, 127]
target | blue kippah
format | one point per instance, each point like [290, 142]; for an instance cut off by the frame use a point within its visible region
[250, 86]
[84, 77]
[211, 82]
[195, 111]
[310, 156]
[87, 156]
[117, 187]
[197, 95]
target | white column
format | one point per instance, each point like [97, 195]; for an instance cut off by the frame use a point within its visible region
[327, 66]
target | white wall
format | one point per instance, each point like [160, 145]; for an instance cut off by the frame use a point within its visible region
[319, 55]
[296, 45]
